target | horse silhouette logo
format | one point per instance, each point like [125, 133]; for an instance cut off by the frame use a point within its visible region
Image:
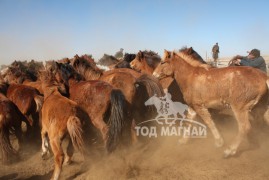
[167, 108]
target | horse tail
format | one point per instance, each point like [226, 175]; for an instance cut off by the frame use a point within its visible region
[39, 102]
[7, 150]
[116, 122]
[151, 84]
[74, 128]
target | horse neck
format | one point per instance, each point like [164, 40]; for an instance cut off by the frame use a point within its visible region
[146, 68]
[182, 71]
[49, 90]
[92, 75]
[72, 82]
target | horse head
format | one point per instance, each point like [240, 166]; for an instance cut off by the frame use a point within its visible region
[51, 83]
[145, 61]
[165, 69]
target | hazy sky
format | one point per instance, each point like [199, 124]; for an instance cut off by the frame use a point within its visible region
[48, 29]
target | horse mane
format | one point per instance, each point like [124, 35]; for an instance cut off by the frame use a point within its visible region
[192, 57]
[28, 70]
[87, 69]
[20, 74]
[129, 57]
[68, 71]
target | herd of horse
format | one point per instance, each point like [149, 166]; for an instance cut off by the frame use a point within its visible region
[73, 100]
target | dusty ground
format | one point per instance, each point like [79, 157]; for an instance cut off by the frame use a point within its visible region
[160, 159]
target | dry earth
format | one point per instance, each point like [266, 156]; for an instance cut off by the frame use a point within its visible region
[161, 158]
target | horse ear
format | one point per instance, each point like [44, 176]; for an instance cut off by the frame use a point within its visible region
[141, 54]
[166, 54]
[190, 50]
[173, 54]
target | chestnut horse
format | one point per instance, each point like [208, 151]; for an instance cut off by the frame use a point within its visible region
[62, 119]
[136, 87]
[10, 121]
[107, 107]
[122, 78]
[29, 102]
[242, 89]
[145, 62]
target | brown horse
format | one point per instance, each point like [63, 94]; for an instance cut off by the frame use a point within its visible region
[145, 62]
[10, 121]
[62, 119]
[107, 107]
[29, 102]
[122, 78]
[242, 89]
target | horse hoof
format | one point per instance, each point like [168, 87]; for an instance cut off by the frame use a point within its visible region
[45, 155]
[68, 162]
[229, 152]
[219, 142]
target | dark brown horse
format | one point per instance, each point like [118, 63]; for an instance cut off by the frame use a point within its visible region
[241, 89]
[125, 63]
[62, 119]
[10, 121]
[17, 76]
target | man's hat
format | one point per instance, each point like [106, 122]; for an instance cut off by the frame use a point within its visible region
[255, 53]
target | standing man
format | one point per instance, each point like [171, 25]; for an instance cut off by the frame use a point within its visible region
[119, 54]
[215, 53]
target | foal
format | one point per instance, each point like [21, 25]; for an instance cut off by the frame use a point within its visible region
[61, 119]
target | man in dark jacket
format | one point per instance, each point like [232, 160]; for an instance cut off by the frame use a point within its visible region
[254, 59]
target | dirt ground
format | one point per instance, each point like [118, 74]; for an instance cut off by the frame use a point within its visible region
[159, 159]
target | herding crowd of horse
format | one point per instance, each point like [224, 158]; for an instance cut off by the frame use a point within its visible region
[75, 101]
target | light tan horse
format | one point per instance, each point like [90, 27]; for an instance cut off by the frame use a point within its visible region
[242, 89]
[61, 119]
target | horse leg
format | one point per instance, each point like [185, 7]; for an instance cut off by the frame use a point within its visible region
[69, 152]
[101, 125]
[18, 134]
[244, 126]
[206, 116]
[133, 133]
[45, 144]
[57, 150]
[191, 114]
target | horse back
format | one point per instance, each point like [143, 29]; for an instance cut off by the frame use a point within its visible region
[230, 85]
